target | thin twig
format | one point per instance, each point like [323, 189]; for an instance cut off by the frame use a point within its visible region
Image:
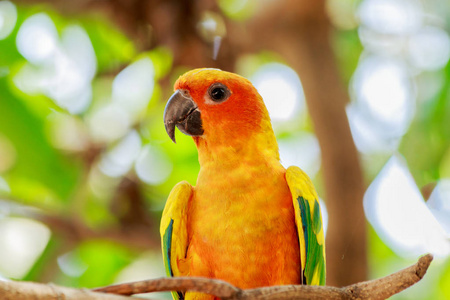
[215, 287]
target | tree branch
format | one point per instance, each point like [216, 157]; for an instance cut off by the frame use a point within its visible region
[375, 289]
[385, 287]
[13, 290]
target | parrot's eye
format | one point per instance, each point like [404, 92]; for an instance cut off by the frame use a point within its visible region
[218, 92]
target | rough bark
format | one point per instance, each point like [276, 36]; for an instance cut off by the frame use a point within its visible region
[12, 290]
[381, 288]
[375, 289]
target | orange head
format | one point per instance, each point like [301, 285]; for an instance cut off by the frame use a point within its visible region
[219, 109]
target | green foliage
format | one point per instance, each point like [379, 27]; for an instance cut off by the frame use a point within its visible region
[39, 165]
[430, 134]
[41, 174]
[104, 260]
[444, 280]
[238, 10]
[348, 49]
[105, 36]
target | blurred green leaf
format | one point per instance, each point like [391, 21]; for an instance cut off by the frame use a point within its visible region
[238, 9]
[347, 48]
[429, 135]
[45, 262]
[104, 260]
[112, 48]
[37, 161]
[162, 59]
[444, 280]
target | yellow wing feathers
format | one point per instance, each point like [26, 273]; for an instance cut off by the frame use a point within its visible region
[173, 229]
[308, 220]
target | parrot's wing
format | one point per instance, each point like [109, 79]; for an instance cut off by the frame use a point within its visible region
[174, 237]
[309, 226]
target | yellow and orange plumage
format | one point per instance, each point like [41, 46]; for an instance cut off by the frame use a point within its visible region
[248, 221]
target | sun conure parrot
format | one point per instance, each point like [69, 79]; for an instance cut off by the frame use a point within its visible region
[248, 221]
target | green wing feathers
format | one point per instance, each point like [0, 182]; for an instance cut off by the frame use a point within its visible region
[309, 226]
[174, 238]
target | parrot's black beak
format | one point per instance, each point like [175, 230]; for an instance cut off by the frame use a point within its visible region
[182, 111]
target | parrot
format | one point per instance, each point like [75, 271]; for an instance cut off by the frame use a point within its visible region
[248, 220]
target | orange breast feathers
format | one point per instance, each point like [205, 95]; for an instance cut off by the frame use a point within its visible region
[245, 234]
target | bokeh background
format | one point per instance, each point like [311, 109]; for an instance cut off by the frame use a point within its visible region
[358, 92]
